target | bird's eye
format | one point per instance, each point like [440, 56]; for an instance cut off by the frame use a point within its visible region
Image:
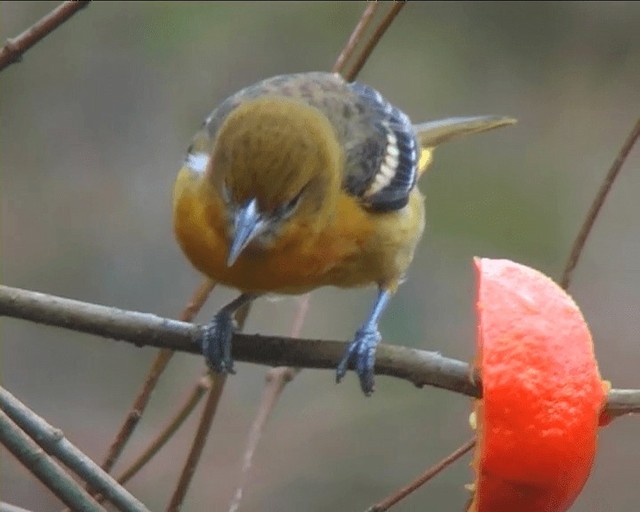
[288, 208]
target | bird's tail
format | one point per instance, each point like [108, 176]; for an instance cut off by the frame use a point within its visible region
[433, 133]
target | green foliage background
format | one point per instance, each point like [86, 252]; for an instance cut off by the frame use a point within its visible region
[94, 124]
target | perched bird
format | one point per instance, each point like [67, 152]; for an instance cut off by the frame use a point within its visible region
[301, 181]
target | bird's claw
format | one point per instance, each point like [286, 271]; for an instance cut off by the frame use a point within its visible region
[362, 351]
[216, 342]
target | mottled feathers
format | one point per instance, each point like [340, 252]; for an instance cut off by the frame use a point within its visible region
[380, 147]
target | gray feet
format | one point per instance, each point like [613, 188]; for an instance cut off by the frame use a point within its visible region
[362, 353]
[216, 342]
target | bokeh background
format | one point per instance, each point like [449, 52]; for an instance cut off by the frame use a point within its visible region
[95, 122]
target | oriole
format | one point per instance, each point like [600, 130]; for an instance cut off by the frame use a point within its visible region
[301, 181]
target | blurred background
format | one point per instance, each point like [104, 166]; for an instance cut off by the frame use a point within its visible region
[95, 122]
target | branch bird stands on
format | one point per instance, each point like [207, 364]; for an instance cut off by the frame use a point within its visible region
[302, 181]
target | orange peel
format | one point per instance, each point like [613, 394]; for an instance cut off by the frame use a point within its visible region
[542, 393]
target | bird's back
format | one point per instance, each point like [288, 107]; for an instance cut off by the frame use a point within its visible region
[379, 143]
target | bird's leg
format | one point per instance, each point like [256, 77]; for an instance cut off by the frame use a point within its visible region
[217, 334]
[362, 350]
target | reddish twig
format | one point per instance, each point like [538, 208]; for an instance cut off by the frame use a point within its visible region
[198, 444]
[14, 49]
[276, 380]
[403, 492]
[195, 395]
[206, 420]
[373, 41]
[137, 409]
[157, 367]
[354, 39]
[598, 201]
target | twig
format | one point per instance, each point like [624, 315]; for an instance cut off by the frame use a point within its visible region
[420, 367]
[204, 426]
[151, 380]
[598, 201]
[276, 380]
[14, 48]
[403, 492]
[137, 409]
[373, 41]
[354, 39]
[198, 444]
[54, 443]
[44, 467]
[196, 394]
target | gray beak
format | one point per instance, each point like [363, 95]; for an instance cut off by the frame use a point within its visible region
[248, 223]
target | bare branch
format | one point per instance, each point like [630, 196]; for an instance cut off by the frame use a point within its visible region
[349, 49]
[598, 201]
[199, 390]
[275, 382]
[419, 367]
[158, 366]
[14, 49]
[53, 442]
[44, 467]
[198, 444]
[403, 492]
[204, 426]
[373, 41]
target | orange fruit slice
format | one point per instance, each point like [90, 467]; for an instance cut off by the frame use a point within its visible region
[537, 422]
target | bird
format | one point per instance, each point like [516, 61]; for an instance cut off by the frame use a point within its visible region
[301, 181]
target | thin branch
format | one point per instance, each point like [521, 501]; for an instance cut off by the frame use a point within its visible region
[14, 49]
[420, 367]
[198, 443]
[158, 366]
[196, 394]
[598, 201]
[375, 38]
[44, 467]
[54, 443]
[276, 380]
[403, 492]
[204, 426]
[349, 49]
[137, 409]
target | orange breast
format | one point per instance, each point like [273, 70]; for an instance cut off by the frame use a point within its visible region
[353, 248]
[296, 263]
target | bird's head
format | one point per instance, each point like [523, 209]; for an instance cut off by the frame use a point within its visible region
[275, 162]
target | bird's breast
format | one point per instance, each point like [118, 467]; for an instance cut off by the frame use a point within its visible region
[352, 247]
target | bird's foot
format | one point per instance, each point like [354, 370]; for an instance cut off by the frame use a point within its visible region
[362, 352]
[216, 342]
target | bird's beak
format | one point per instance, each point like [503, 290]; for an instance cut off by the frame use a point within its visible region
[248, 223]
[434, 133]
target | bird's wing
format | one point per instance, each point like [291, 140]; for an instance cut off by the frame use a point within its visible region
[382, 152]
